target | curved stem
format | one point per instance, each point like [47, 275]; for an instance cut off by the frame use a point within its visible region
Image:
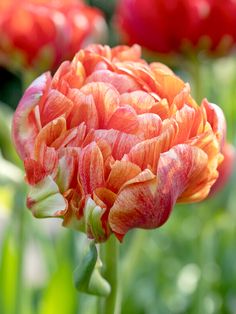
[109, 253]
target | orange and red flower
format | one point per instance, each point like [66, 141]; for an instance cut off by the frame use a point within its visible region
[111, 143]
[179, 25]
[41, 34]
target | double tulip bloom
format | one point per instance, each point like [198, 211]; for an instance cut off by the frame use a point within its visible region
[179, 26]
[111, 143]
[40, 34]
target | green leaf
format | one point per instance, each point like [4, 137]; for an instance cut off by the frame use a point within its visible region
[87, 277]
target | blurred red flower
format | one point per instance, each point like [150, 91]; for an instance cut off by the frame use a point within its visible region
[40, 34]
[179, 25]
[111, 143]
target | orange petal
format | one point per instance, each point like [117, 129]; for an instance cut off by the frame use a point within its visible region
[146, 154]
[169, 84]
[91, 168]
[121, 82]
[106, 99]
[120, 142]
[121, 172]
[124, 119]
[147, 204]
[134, 204]
[141, 101]
[84, 110]
[49, 134]
[150, 125]
[56, 105]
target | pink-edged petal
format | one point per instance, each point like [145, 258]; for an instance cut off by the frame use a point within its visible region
[55, 105]
[91, 168]
[120, 142]
[106, 99]
[133, 205]
[148, 203]
[121, 82]
[141, 101]
[25, 126]
[150, 125]
[84, 110]
[215, 117]
[121, 172]
[124, 119]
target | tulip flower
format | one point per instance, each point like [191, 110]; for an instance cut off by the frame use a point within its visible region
[111, 143]
[39, 34]
[179, 26]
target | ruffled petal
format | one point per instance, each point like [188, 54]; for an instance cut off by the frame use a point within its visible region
[24, 126]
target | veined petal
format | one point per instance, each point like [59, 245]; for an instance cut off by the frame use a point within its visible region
[91, 168]
[49, 133]
[34, 171]
[141, 101]
[120, 142]
[121, 172]
[24, 126]
[55, 105]
[121, 82]
[134, 204]
[150, 125]
[106, 99]
[124, 119]
[147, 204]
[84, 110]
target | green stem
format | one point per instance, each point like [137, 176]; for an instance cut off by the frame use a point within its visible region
[109, 254]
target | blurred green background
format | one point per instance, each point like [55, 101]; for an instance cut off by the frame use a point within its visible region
[187, 266]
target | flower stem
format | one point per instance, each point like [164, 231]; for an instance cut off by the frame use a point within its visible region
[109, 253]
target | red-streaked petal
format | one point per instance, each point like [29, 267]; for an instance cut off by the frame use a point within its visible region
[121, 172]
[150, 125]
[124, 119]
[147, 204]
[120, 142]
[84, 110]
[133, 205]
[34, 171]
[106, 99]
[49, 134]
[91, 168]
[121, 82]
[146, 154]
[55, 105]
[141, 101]
[24, 126]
